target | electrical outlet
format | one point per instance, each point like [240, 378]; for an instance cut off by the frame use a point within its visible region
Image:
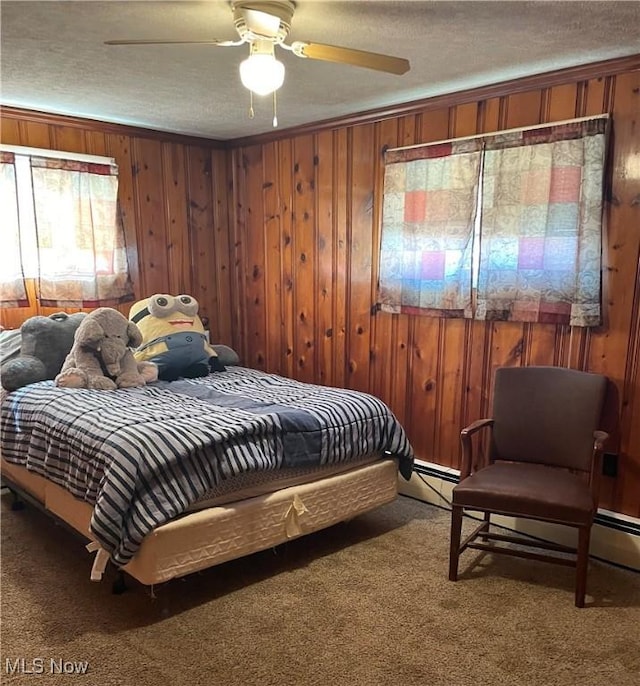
[610, 464]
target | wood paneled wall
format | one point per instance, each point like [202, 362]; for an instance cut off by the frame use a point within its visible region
[278, 239]
[306, 224]
[173, 192]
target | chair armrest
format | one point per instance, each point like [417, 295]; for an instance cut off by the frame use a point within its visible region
[467, 448]
[476, 426]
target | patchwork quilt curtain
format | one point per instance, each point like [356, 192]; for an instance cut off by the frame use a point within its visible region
[501, 227]
[541, 225]
[430, 196]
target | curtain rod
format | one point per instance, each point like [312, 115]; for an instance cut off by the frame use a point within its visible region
[498, 133]
[56, 154]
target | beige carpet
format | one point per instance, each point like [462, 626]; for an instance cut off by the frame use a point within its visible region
[365, 603]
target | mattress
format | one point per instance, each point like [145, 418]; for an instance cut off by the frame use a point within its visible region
[214, 535]
[251, 484]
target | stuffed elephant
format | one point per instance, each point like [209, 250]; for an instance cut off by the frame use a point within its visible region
[101, 356]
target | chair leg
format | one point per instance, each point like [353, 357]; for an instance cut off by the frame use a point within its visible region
[582, 563]
[454, 549]
[487, 519]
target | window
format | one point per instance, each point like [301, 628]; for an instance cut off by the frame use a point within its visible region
[61, 227]
[503, 227]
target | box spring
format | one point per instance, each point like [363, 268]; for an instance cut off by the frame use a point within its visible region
[210, 536]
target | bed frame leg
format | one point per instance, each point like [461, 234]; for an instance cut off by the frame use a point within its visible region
[120, 584]
[18, 503]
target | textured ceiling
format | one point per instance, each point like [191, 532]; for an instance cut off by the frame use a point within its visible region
[53, 57]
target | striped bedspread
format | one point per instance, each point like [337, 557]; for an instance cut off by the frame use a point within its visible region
[141, 456]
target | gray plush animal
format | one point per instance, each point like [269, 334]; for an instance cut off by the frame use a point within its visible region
[101, 356]
[45, 343]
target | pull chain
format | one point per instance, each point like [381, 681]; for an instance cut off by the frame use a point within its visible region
[275, 110]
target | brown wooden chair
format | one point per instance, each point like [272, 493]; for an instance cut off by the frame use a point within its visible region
[541, 461]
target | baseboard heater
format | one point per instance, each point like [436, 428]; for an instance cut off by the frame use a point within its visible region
[617, 542]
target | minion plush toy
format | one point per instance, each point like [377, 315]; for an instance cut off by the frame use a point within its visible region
[173, 337]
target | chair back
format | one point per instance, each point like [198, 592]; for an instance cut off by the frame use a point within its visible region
[546, 415]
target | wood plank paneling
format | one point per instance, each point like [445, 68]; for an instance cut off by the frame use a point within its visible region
[273, 266]
[10, 131]
[252, 269]
[340, 255]
[67, 138]
[199, 229]
[148, 169]
[325, 259]
[218, 273]
[562, 103]
[119, 147]
[286, 186]
[95, 143]
[238, 229]
[177, 239]
[304, 246]
[35, 135]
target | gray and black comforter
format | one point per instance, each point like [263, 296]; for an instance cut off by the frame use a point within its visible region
[142, 456]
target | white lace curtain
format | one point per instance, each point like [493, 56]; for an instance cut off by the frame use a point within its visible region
[13, 292]
[81, 251]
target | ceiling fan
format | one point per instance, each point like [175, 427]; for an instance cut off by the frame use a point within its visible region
[265, 24]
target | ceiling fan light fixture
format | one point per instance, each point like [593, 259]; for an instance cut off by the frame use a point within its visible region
[263, 24]
[261, 72]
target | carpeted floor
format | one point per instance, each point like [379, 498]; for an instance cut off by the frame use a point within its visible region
[365, 603]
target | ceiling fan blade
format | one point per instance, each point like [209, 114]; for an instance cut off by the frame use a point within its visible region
[212, 41]
[359, 58]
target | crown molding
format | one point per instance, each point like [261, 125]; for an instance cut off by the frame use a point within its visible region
[53, 119]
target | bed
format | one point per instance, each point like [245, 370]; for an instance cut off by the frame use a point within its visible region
[175, 477]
